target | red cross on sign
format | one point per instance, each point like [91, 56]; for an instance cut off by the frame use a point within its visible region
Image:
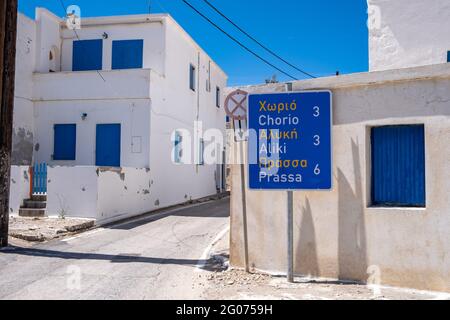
[236, 105]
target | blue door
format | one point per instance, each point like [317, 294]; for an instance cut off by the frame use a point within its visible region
[107, 152]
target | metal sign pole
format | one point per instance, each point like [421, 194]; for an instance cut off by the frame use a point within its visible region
[236, 110]
[290, 236]
[290, 226]
[244, 207]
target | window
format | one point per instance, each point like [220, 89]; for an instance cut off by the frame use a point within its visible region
[217, 97]
[448, 56]
[192, 77]
[127, 54]
[201, 151]
[398, 166]
[87, 55]
[64, 144]
[177, 147]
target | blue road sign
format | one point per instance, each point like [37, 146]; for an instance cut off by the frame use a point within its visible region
[289, 146]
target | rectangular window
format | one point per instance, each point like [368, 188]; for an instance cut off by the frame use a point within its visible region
[87, 55]
[448, 56]
[217, 97]
[65, 139]
[177, 147]
[398, 166]
[201, 151]
[127, 54]
[192, 77]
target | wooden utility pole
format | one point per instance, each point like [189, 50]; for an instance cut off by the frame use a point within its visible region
[8, 32]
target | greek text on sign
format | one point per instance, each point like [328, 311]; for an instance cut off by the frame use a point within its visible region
[290, 141]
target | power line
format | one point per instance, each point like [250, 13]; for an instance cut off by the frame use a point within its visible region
[258, 42]
[237, 41]
[76, 34]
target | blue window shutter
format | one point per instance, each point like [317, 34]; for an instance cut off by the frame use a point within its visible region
[398, 166]
[107, 149]
[87, 55]
[448, 56]
[65, 140]
[127, 54]
[177, 147]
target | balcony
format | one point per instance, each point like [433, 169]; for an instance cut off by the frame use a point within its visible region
[92, 85]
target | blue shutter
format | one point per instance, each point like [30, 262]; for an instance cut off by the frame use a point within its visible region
[127, 54]
[398, 166]
[87, 55]
[177, 148]
[107, 151]
[64, 141]
[448, 56]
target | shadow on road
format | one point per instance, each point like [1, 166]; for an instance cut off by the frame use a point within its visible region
[208, 265]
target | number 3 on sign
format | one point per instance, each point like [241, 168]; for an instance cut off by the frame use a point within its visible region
[316, 111]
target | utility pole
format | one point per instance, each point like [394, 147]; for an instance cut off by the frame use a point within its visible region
[8, 32]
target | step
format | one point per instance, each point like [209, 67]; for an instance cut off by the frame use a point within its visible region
[27, 212]
[32, 204]
[39, 197]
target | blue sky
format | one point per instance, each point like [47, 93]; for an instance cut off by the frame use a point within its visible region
[319, 36]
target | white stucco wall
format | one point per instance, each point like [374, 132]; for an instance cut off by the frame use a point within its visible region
[408, 33]
[151, 32]
[170, 112]
[19, 187]
[23, 126]
[337, 234]
[132, 114]
[72, 192]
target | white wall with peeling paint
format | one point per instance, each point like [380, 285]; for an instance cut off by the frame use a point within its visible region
[408, 33]
[19, 187]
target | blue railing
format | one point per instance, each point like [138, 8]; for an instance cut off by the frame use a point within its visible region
[40, 178]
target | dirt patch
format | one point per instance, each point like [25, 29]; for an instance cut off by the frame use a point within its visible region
[223, 282]
[44, 229]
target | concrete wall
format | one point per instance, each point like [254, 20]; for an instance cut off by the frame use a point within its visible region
[408, 33]
[337, 233]
[19, 187]
[170, 112]
[23, 126]
[104, 194]
[151, 32]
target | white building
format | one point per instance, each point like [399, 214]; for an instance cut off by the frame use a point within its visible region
[111, 95]
[408, 33]
[370, 227]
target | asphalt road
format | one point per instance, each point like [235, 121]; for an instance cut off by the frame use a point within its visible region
[157, 257]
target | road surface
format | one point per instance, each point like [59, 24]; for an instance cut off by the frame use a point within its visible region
[157, 257]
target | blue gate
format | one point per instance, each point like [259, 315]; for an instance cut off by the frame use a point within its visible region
[40, 178]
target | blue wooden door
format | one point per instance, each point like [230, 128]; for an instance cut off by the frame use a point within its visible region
[39, 177]
[107, 152]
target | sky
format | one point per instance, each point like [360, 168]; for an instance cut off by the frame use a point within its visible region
[320, 36]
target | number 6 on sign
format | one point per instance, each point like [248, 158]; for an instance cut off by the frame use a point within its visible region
[317, 170]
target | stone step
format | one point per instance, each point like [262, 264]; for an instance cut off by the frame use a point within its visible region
[35, 213]
[39, 197]
[32, 204]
